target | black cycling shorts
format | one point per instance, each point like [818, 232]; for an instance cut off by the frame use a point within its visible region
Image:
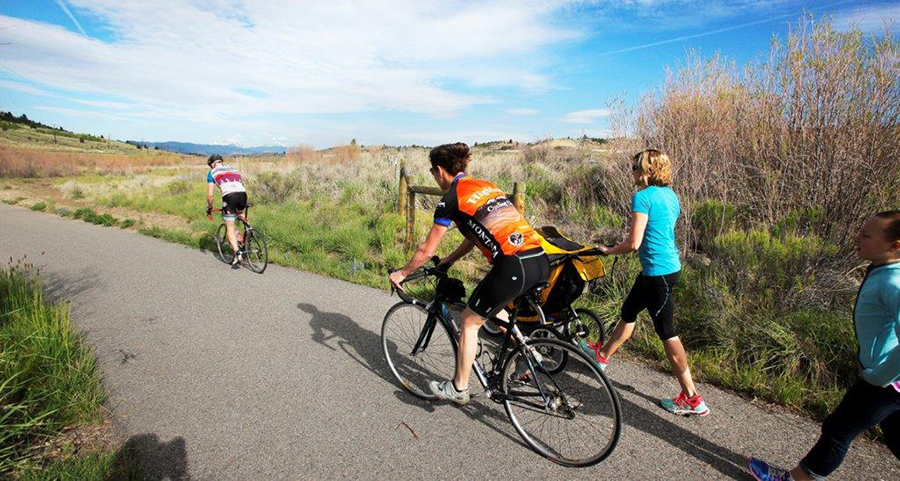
[233, 204]
[510, 277]
[653, 293]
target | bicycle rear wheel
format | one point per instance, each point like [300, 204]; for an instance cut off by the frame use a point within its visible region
[400, 331]
[593, 325]
[226, 253]
[579, 421]
[257, 251]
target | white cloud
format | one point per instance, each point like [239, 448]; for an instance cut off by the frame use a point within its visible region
[523, 111]
[869, 19]
[20, 87]
[585, 116]
[193, 60]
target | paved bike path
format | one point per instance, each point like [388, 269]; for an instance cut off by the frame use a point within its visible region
[225, 374]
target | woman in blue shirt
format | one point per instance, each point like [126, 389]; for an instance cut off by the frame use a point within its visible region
[654, 212]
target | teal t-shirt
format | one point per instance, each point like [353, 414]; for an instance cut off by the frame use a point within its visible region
[876, 318]
[658, 252]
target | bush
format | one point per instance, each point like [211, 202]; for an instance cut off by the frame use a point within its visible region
[39, 207]
[767, 268]
[711, 218]
[126, 223]
[273, 187]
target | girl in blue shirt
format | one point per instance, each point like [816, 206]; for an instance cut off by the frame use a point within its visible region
[875, 396]
[654, 212]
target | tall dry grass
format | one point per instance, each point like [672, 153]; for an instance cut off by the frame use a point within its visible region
[38, 163]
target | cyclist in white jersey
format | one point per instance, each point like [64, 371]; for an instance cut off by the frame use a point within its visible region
[234, 198]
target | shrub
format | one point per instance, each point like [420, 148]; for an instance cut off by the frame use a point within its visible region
[711, 218]
[39, 206]
[273, 187]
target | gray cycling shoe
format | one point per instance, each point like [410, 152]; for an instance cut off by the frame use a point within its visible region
[446, 391]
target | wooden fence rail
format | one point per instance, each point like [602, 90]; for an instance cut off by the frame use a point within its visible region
[406, 199]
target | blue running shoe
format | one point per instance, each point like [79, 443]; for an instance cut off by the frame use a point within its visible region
[763, 471]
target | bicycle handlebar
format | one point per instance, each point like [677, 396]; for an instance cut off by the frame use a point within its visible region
[424, 271]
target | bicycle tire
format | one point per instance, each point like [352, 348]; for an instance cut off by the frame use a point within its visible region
[226, 254]
[257, 251]
[592, 321]
[582, 399]
[399, 332]
[491, 328]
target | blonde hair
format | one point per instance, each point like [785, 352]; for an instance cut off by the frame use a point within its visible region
[653, 168]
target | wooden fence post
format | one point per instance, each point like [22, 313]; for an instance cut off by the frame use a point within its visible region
[404, 187]
[410, 219]
[519, 196]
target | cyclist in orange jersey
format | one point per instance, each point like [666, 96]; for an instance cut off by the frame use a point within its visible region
[487, 219]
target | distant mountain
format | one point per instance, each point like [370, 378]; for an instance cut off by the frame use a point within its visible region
[210, 149]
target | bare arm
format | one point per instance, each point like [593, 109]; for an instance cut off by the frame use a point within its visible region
[635, 235]
[210, 194]
[423, 253]
[458, 253]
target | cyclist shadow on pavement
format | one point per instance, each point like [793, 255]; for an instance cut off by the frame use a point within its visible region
[638, 416]
[144, 456]
[339, 332]
[59, 287]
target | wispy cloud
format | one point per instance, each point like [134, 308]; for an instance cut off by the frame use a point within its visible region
[869, 19]
[735, 9]
[62, 5]
[309, 58]
[585, 116]
[523, 111]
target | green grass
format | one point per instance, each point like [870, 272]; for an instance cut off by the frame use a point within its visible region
[88, 215]
[41, 206]
[48, 373]
[97, 466]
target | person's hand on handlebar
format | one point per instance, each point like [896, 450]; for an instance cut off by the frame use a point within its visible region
[208, 210]
[396, 278]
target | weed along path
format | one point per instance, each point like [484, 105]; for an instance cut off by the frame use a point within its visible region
[216, 373]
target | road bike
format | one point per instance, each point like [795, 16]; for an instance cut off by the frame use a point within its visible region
[251, 243]
[568, 412]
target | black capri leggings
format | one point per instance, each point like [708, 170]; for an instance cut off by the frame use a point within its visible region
[653, 293]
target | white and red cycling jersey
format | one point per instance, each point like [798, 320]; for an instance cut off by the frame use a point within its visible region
[227, 178]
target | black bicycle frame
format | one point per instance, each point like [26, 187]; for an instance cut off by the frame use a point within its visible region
[487, 379]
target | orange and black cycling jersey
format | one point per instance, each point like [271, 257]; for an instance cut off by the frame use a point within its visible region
[485, 215]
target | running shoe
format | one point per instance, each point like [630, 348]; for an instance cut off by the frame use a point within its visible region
[446, 391]
[593, 352]
[763, 471]
[684, 405]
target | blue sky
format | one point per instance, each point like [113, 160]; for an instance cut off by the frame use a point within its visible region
[284, 72]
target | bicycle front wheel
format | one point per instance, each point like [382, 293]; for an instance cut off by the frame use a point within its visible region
[257, 251]
[434, 361]
[226, 253]
[571, 417]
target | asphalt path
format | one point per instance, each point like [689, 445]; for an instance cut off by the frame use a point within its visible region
[216, 373]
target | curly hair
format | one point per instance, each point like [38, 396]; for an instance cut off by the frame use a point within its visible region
[452, 157]
[892, 230]
[653, 168]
